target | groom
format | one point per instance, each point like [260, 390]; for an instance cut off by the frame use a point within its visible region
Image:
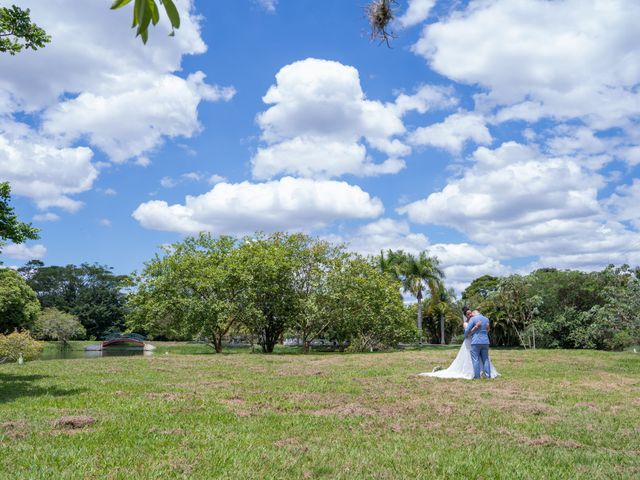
[478, 329]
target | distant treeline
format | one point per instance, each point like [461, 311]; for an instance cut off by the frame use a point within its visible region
[268, 287]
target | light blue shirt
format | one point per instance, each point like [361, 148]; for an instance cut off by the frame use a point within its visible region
[481, 335]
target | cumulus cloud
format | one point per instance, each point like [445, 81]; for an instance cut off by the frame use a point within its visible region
[127, 123]
[518, 201]
[37, 168]
[461, 263]
[453, 132]
[24, 252]
[320, 124]
[109, 89]
[417, 12]
[543, 59]
[285, 204]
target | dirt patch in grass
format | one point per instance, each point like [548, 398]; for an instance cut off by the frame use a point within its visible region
[73, 422]
[292, 444]
[237, 405]
[541, 441]
[15, 428]
[349, 410]
[168, 431]
[168, 396]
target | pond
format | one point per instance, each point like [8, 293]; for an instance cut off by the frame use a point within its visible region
[66, 353]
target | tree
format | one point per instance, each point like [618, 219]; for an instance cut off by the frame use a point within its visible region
[18, 32]
[19, 305]
[53, 324]
[316, 260]
[520, 305]
[443, 309]
[273, 264]
[146, 12]
[365, 306]
[417, 274]
[196, 289]
[10, 227]
[90, 292]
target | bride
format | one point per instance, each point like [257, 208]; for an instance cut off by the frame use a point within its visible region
[462, 366]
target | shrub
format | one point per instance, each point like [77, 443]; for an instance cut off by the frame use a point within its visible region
[19, 342]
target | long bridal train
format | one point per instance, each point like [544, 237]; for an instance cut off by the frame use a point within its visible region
[461, 367]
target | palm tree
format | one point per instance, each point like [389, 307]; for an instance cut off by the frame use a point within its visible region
[417, 274]
[442, 306]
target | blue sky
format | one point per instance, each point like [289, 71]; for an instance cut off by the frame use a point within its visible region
[501, 136]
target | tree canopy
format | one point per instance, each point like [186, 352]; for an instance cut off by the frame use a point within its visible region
[18, 32]
[19, 305]
[11, 228]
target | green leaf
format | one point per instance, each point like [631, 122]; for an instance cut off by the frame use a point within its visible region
[119, 3]
[144, 18]
[172, 13]
[155, 16]
[136, 9]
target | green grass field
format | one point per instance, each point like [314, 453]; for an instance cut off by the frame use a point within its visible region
[553, 414]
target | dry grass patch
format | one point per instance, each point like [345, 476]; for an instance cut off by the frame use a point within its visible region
[73, 422]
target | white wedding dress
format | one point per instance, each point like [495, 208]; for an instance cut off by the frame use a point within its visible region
[462, 366]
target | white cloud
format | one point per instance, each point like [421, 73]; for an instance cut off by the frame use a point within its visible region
[426, 97]
[24, 252]
[461, 263]
[104, 222]
[268, 5]
[285, 204]
[215, 178]
[624, 203]
[453, 132]
[565, 59]
[383, 234]
[40, 170]
[128, 123]
[169, 182]
[46, 217]
[417, 12]
[320, 124]
[108, 88]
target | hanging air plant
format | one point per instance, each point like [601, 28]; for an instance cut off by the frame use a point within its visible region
[380, 15]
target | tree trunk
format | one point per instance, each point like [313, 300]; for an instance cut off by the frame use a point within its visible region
[419, 321]
[442, 329]
[217, 343]
[305, 346]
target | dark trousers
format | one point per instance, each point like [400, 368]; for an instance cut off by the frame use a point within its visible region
[480, 360]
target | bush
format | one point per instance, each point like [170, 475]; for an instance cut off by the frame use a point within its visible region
[52, 324]
[13, 344]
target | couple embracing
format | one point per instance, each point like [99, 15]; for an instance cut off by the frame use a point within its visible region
[472, 361]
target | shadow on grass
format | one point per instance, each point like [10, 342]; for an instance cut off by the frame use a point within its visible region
[17, 386]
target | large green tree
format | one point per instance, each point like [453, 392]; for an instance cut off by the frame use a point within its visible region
[89, 291]
[273, 264]
[196, 289]
[19, 305]
[17, 31]
[418, 274]
[316, 260]
[11, 228]
[365, 307]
